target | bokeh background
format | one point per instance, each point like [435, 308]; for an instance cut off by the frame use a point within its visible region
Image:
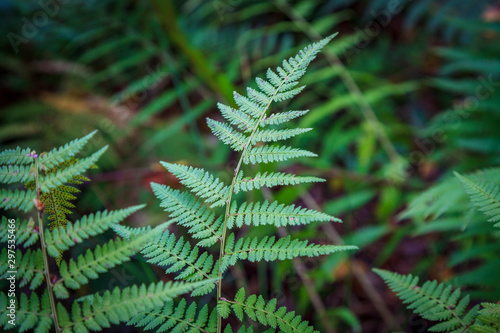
[407, 93]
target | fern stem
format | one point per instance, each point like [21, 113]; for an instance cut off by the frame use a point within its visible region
[233, 183]
[44, 251]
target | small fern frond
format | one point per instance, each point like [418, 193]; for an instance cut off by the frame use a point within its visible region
[178, 255]
[488, 319]
[281, 117]
[279, 215]
[270, 180]
[29, 267]
[177, 318]
[22, 200]
[88, 266]
[61, 239]
[432, 301]
[256, 308]
[62, 176]
[269, 249]
[16, 174]
[16, 156]
[273, 135]
[120, 305]
[31, 313]
[237, 118]
[486, 196]
[269, 154]
[64, 153]
[26, 232]
[227, 134]
[191, 213]
[201, 183]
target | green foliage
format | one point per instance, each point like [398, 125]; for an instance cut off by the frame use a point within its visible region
[433, 301]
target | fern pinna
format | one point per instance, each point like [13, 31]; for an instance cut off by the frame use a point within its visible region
[30, 245]
[212, 215]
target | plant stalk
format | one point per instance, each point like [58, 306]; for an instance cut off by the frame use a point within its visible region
[44, 251]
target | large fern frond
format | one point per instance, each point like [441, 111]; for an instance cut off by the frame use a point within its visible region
[270, 180]
[120, 305]
[269, 154]
[16, 156]
[433, 301]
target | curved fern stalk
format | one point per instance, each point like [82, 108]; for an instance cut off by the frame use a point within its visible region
[433, 301]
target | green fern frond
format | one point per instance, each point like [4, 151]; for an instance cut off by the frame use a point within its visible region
[237, 118]
[61, 239]
[22, 200]
[26, 232]
[269, 154]
[178, 255]
[29, 267]
[276, 214]
[120, 305]
[88, 266]
[64, 153]
[270, 180]
[488, 319]
[16, 156]
[486, 196]
[177, 318]
[16, 173]
[277, 135]
[256, 308]
[432, 301]
[201, 183]
[191, 213]
[267, 248]
[281, 117]
[227, 134]
[63, 176]
[31, 313]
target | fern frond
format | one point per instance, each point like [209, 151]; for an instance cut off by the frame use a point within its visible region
[22, 200]
[201, 183]
[256, 308]
[16, 174]
[120, 305]
[227, 134]
[279, 215]
[486, 196]
[178, 255]
[88, 266]
[65, 175]
[432, 301]
[177, 318]
[277, 135]
[191, 213]
[268, 154]
[270, 180]
[237, 118]
[31, 313]
[61, 239]
[282, 117]
[267, 248]
[29, 267]
[248, 106]
[26, 232]
[59, 155]
[488, 319]
[17, 156]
